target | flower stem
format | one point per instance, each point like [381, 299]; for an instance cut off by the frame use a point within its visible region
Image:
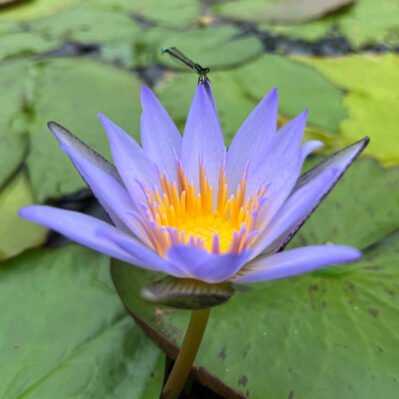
[185, 359]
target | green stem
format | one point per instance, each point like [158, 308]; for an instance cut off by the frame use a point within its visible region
[185, 359]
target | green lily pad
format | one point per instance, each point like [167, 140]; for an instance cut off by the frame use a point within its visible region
[299, 88]
[247, 85]
[16, 233]
[65, 334]
[14, 85]
[215, 47]
[332, 333]
[8, 3]
[366, 22]
[173, 13]
[371, 103]
[138, 50]
[30, 10]
[279, 11]
[12, 152]
[357, 197]
[71, 92]
[22, 44]
[86, 24]
[16, 89]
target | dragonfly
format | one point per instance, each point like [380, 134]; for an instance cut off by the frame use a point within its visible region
[200, 70]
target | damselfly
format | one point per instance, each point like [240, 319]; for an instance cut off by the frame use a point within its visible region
[200, 70]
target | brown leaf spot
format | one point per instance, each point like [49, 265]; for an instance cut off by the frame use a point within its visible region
[374, 312]
[222, 354]
[243, 380]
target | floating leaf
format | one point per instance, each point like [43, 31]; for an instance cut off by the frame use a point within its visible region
[299, 88]
[15, 79]
[71, 92]
[366, 22]
[8, 3]
[299, 332]
[34, 9]
[139, 50]
[12, 152]
[215, 47]
[14, 86]
[86, 24]
[22, 44]
[371, 103]
[16, 234]
[65, 334]
[170, 14]
[279, 11]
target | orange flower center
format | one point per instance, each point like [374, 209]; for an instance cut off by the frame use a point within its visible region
[180, 215]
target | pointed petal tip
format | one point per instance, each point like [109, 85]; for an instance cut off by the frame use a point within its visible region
[300, 118]
[273, 92]
[104, 120]
[146, 94]
[56, 128]
[363, 142]
[60, 132]
[52, 125]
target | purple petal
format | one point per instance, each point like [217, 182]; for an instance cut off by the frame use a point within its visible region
[309, 147]
[150, 260]
[336, 165]
[99, 175]
[203, 137]
[279, 166]
[254, 136]
[296, 261]
[202, 265]
[160, 138]
[341, 159]
[77, 227]
[132, 163]
[295, 209]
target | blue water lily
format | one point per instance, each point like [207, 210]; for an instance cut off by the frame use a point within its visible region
[189, 207]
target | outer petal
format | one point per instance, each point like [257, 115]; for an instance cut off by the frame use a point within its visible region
[254, 136]
[294, 210]
[202, 265]
[278, 167]
[99, 175]
[203, 137]
[132, 163]
[77, 227]
[151, 260]
[160, 138]
[309, 192]
[296, 261]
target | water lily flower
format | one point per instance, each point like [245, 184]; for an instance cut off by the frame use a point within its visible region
[191, 208]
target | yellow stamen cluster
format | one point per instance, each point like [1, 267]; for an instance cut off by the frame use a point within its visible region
[179, 214]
